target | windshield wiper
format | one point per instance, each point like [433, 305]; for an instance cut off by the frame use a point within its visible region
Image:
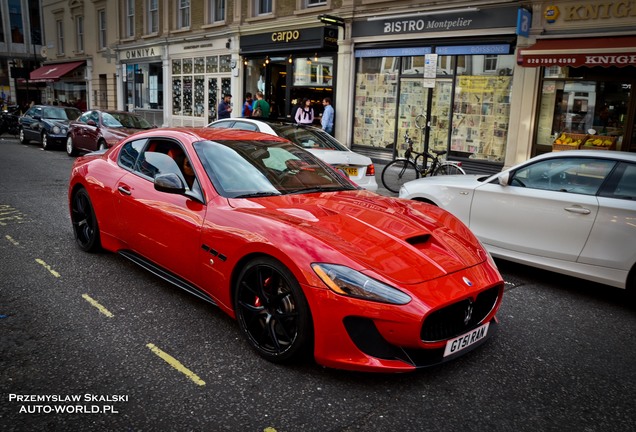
[318, 189]
[258, 194]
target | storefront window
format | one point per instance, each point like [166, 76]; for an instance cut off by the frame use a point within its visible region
[376, 101]
[574, 103]
[195, 91]
[144, 86]
[481, 110]
[466, 104]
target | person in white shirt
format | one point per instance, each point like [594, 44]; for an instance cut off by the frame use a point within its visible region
[305, 113]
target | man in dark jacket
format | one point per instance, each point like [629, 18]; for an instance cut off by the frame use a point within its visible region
[225, 107]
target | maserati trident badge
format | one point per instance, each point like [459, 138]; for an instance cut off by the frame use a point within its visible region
[468, 313]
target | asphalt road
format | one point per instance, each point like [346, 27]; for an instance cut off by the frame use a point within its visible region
[138, 354]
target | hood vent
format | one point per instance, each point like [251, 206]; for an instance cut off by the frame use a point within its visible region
[418, 240]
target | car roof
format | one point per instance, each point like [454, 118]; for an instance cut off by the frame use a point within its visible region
[210, 134]
[271, 122]
[599, 154]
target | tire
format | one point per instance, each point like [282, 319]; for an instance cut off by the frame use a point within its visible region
[449, 169]
[101, 145]
[272, 311]
[45, 141]
[23, 139]
[84, 221]
[398, 172]
[70, 149]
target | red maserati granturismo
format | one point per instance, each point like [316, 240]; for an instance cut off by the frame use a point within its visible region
[306, 261]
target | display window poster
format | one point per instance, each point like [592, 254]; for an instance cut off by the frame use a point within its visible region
[480, 116]
[376, 101]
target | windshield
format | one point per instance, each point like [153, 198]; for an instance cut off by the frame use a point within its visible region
[125, 120]
[61, 113]
[260, 168]
[308, 138]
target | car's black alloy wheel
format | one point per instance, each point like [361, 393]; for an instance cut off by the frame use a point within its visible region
[272, 310]
[84, 222]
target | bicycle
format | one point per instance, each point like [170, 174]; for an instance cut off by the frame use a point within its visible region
[408, 168]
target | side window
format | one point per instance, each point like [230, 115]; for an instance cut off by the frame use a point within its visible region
[622, 184]
[574, 175]
[222, 124]
[152, 164]
[83, 118]
[245, 126]
[130, 153]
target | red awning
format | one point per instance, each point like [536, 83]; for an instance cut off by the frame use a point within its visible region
[605, 52]
[53, 72]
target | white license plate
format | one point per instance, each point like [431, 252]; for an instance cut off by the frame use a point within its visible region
[467, 339]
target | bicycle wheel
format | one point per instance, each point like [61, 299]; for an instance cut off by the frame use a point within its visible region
[449, 169]
[398, 172]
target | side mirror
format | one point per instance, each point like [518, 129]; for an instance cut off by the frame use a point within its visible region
[169, 183]
[504, 178]
[91, 123]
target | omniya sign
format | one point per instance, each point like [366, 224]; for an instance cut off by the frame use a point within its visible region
[142, 53]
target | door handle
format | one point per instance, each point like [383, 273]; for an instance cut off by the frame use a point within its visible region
[124, 190]
[578, 209]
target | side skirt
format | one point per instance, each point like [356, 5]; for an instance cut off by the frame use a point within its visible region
[166, 275]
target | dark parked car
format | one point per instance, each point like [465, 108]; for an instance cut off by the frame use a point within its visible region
[47, 124]
[99, 130]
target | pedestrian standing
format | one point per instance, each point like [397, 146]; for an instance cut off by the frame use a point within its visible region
[260, 107]
[327, 116]
[305, 113]
[247, 105]
[225, 107]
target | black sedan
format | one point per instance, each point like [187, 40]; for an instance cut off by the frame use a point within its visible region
[47, 124]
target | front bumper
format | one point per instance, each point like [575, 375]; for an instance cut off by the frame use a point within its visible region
[362, 335]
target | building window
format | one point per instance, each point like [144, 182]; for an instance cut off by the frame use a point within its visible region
[130, 18]
[1, 27]
[15, 21]
[217, 11]
[153, 16]
[490, 63]
[34, 21]
[101, 26]
[79, 29]
[59, 25]
[312, 3]
[263, 7]
[183, 14]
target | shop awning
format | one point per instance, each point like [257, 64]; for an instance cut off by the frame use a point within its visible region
[590, 52]
[53, 72]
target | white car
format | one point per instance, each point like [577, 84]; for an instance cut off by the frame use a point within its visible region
[572, 212]
[359, 168]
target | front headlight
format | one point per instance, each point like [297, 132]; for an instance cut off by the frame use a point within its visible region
[56, 130]
[348, 282]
